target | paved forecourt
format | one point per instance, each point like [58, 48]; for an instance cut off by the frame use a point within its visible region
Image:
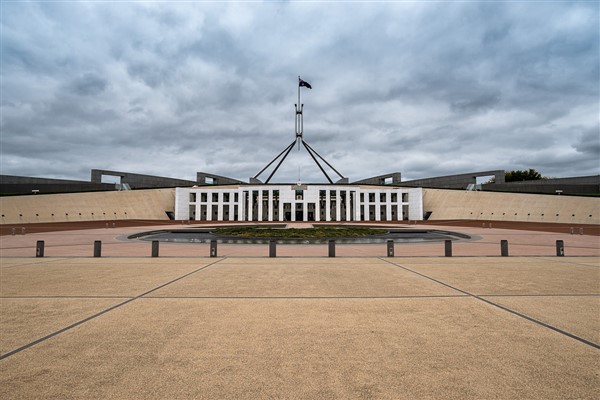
[482, 242]
[402, 328]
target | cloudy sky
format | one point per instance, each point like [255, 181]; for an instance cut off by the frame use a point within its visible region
[424, 88]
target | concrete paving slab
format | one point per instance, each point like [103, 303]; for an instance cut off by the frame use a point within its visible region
[502, 275]
[294, 347]
[91, 277]
[24, 320]
[579, 315]
[312, 277]
[451, 348]
[484, 242]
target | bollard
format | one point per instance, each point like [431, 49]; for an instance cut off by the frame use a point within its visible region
[23, 231]
[448, 248]
[560, 248]
[272, 248]
[14, 231]
[107, 225]
[581, 231]
[331, 247]
[504, 248]
[155, 248]
[114, 225]
[97, 248]
[213, 248]
[390, 248]
[490, 225]
[483, 226]
[39, 248]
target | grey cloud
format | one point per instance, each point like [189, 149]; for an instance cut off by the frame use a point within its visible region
[425, 88]
[89, 85]
[588, 141]
[476, 102]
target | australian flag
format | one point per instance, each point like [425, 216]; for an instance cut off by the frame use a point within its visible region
[303, 83]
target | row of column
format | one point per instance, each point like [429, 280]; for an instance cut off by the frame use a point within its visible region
[351, 213]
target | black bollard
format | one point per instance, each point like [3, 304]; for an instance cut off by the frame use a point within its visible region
[504, 248]
[39, 248]
[213, 248]
[331, 247]
[390, 248]
[272, 248]
[560, 248]
[448, 248]
[155, 248]
[97, 248]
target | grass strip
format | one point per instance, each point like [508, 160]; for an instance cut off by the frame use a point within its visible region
[307, 233]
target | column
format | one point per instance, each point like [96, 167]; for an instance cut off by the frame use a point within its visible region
[388, 203]
[209, 206]
[260, 205]
[357, 205]
[338, 206]
[198, 209]
[220, 207]
[270, 205]
[250, 205]
[318, 208]
[348, 213]
[327, 206]
[241, 206]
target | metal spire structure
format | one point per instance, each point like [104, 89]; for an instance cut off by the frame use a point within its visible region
[299, 139]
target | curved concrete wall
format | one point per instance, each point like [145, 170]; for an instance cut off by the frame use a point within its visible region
[134, 204]
[444, 205]
[462, 204]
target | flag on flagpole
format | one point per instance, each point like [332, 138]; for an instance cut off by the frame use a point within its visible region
[303, 83]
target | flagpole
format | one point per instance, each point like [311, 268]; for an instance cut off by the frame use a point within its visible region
[298, 91]
[299, 109]
[298, 118]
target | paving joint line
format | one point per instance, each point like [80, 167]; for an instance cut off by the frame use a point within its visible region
[562, 262]
[66, 297]
[543, 295]
[307, 297]
[538, 322]
[40, 262]
[98, 314]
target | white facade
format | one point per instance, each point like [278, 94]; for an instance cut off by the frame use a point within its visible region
[298, 203]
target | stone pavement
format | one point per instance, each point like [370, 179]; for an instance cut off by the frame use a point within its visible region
[483, 242]
[311, 327]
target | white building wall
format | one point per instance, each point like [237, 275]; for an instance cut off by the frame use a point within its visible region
[287, 194]
[182, 204]
[415, 204]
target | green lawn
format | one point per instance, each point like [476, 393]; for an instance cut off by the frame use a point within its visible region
[318, 232]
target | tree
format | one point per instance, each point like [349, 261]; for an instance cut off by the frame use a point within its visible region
[531, 175]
